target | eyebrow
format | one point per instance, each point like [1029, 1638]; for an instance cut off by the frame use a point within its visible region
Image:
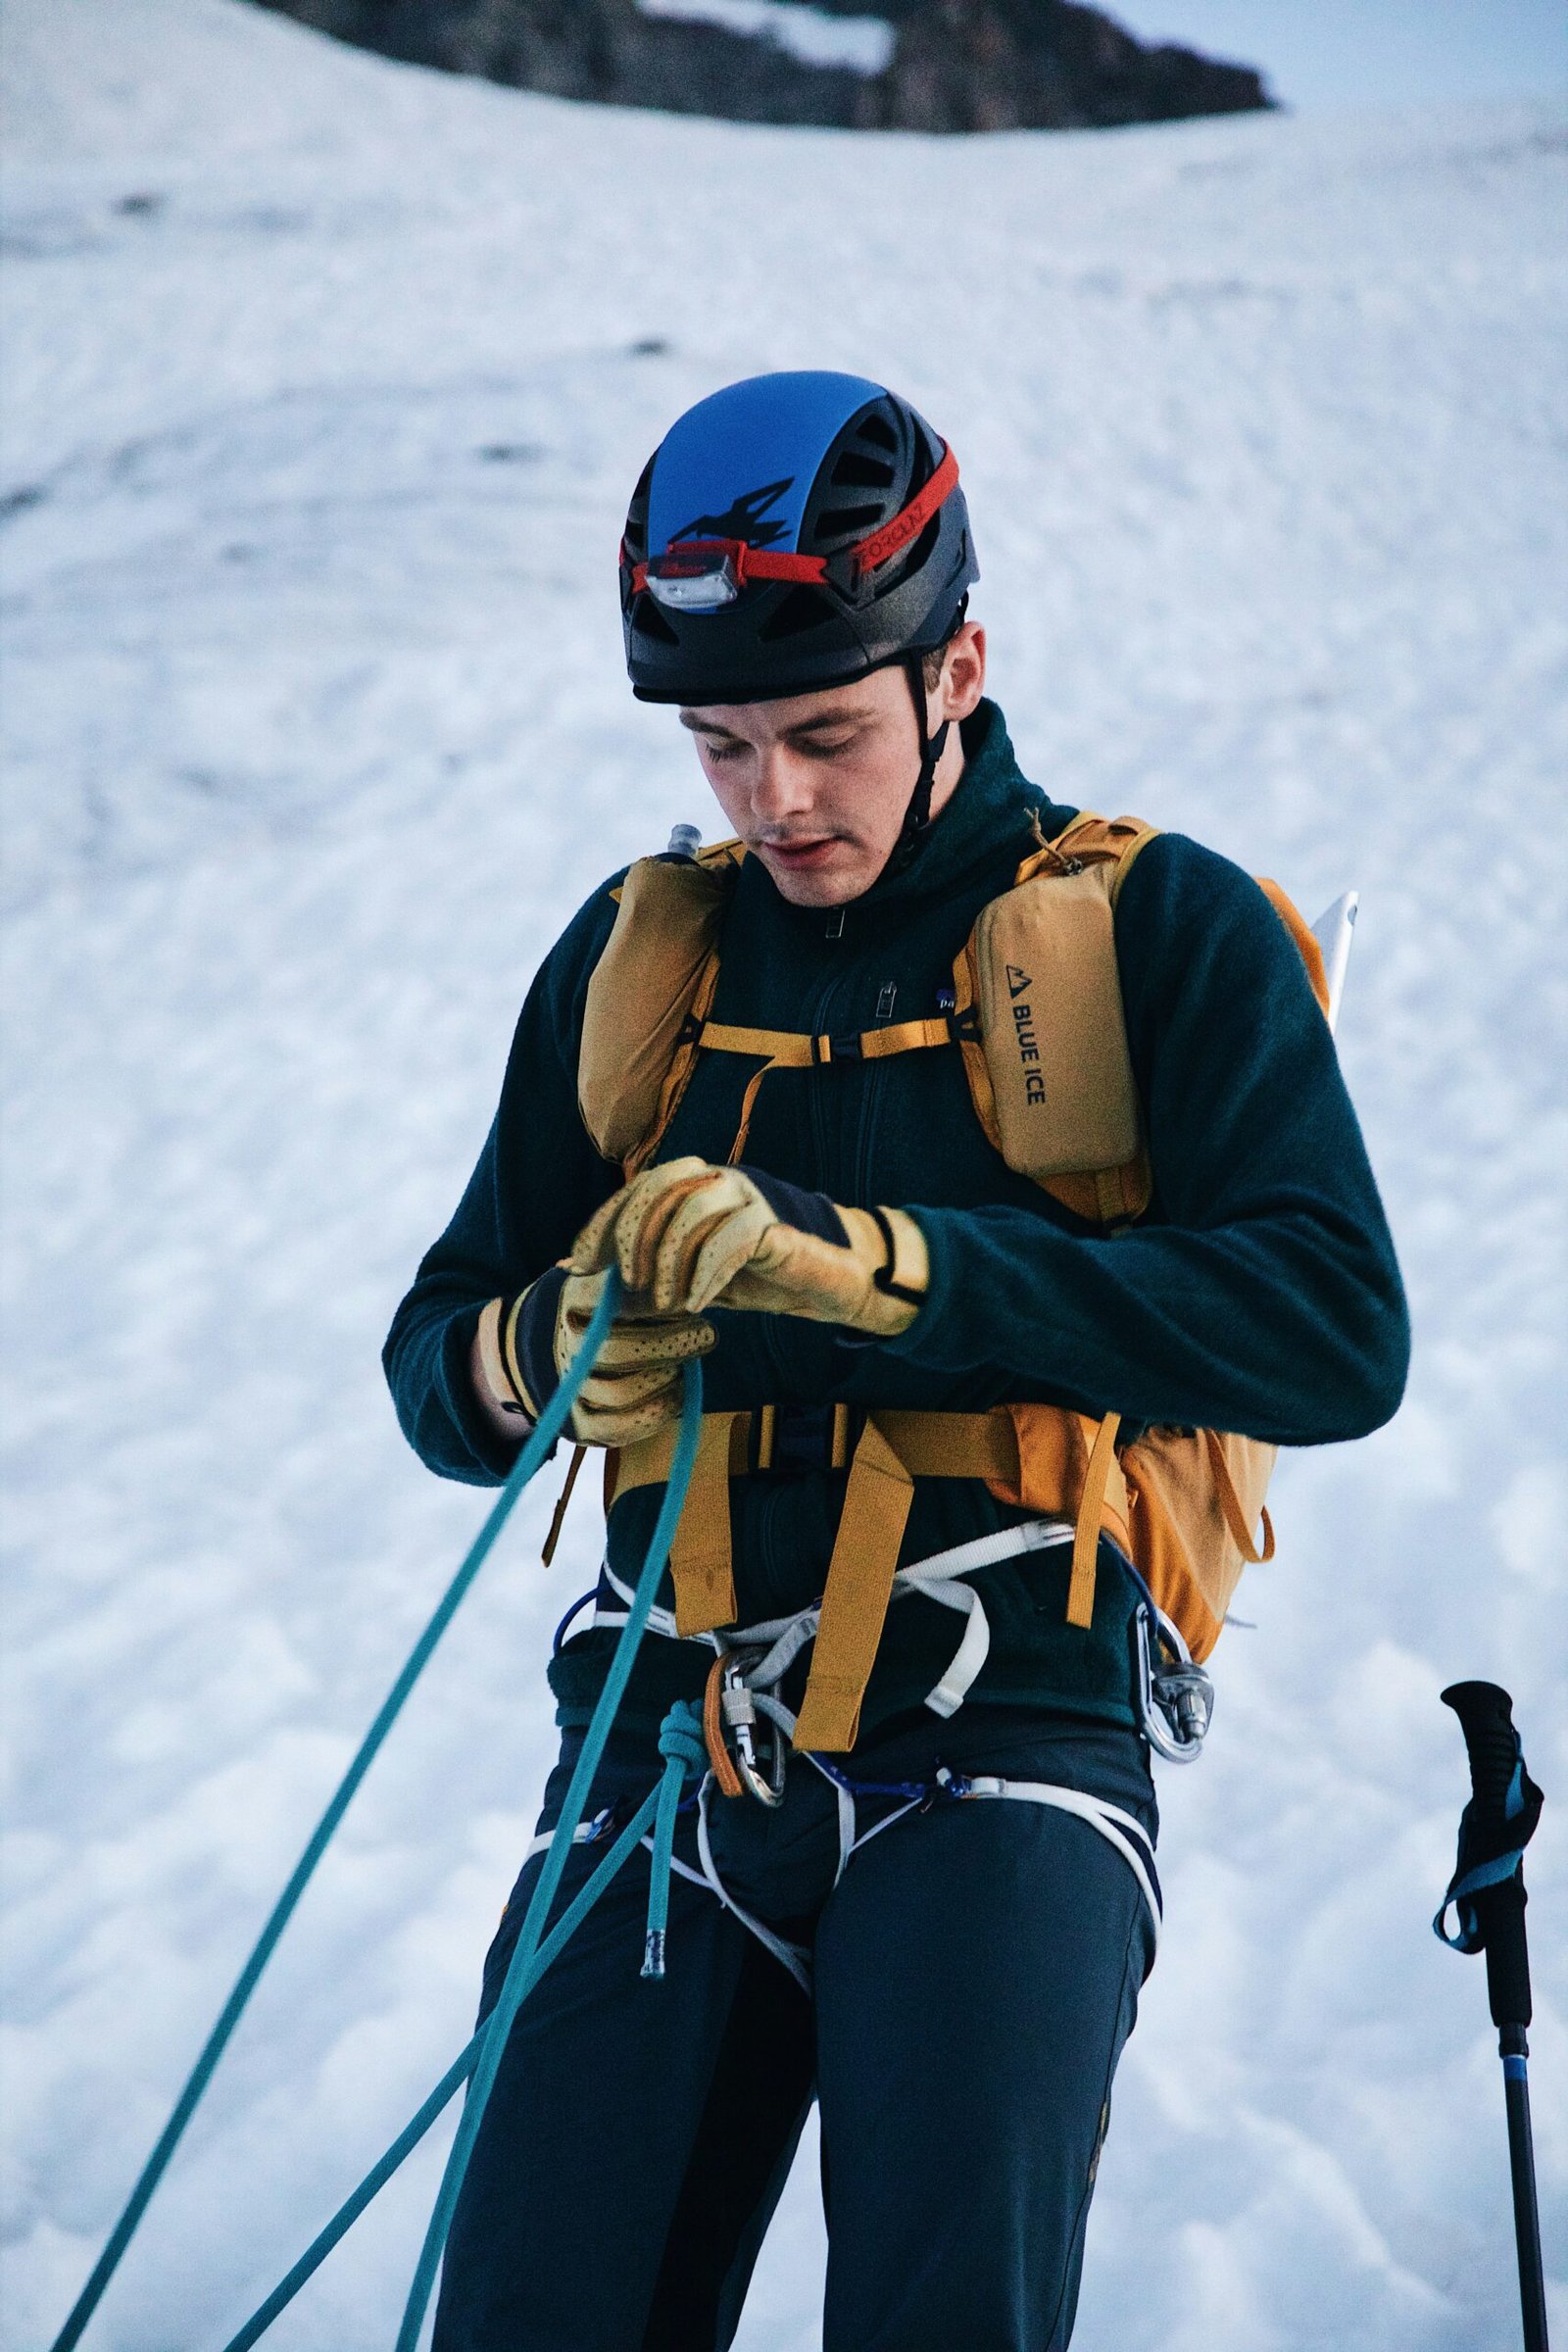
[807, 726]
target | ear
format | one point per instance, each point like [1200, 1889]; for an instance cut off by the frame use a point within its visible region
[963, 673]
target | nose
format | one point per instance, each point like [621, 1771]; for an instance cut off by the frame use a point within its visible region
[781, 785]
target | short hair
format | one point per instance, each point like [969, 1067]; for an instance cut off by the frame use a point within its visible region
[931, 663]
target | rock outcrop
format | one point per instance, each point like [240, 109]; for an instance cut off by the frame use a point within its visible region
[955, 65]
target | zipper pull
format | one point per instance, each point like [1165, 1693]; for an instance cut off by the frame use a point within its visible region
[885, 1002]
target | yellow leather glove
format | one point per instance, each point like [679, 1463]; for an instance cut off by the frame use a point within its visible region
[528, 1344]
[686, 1236]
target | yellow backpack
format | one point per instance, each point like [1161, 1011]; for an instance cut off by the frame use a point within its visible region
[1036, 1012]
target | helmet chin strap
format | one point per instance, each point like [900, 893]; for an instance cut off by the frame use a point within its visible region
[917, 815]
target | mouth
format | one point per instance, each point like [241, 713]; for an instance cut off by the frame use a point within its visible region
[801, 853]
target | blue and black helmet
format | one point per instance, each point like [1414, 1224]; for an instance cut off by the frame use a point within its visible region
[789, 533]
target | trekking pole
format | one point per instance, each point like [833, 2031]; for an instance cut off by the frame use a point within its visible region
[1487, 1892]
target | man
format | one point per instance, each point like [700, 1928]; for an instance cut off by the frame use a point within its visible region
[817, 1208]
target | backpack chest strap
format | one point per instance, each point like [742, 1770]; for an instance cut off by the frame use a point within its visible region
[800, 1049]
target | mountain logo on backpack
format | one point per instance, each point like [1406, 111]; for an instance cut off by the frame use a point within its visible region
[1018, 980]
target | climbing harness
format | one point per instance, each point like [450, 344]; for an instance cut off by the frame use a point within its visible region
[756, 1659]
[1175, 1696]
[741, 1700]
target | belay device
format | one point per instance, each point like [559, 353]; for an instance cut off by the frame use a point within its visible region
[1488, 1892]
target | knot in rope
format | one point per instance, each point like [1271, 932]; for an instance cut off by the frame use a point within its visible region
[684, 1750]
[680, 1738]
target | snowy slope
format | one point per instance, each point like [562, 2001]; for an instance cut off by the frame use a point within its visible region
[316, 453]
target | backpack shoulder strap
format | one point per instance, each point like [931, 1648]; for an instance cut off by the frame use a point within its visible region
[1091, 841]
[1040, 1019]
[1307, 946]
[652, 987]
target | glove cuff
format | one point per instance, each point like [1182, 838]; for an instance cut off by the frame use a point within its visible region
[906, 1274]
[501, 1389]
[529, 1341]
[792, 1205]
[896, 1268]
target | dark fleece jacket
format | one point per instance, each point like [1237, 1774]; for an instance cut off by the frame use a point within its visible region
[1260, 1293]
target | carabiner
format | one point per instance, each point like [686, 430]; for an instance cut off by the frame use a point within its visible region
[1175, 1697]
[738, 1709]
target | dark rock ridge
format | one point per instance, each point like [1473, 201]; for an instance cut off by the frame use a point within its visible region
[955, 64]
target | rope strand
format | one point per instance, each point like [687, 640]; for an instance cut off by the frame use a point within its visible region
[539, 1445]
[522, 1972]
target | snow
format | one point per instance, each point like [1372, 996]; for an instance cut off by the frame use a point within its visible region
[862, 44]
[316, 455]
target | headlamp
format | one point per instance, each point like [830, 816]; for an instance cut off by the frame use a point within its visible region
[695, 578]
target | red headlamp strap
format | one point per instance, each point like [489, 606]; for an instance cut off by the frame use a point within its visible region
[694, 555]
[911, 521]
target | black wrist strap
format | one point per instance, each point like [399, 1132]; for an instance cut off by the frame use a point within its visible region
[882, 1280]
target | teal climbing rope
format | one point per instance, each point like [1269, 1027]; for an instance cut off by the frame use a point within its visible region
[681, 1745]
[549, 1427]
[526, 1968]
[409, 2139]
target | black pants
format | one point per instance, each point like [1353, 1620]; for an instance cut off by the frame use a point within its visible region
[976, 1973]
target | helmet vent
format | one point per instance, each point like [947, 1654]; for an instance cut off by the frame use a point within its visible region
[800, 610]
[925, 548]
[840, 523]
[879, 432]
[856, 473]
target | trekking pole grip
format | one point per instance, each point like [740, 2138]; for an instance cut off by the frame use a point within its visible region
[1492, 1743]
[1485, 1718]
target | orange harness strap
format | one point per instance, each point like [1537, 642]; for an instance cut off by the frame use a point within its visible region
[701, 1560]
[1063, 1474]
[1086, 1533]
[855, 1596]
[1230, 1504]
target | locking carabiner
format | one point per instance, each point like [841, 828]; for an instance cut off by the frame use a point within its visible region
[730, 1716]
[1175, 1697]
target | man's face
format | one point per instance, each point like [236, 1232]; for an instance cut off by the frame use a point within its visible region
[818, 786]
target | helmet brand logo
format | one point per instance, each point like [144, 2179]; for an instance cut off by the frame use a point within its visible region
[743, 519]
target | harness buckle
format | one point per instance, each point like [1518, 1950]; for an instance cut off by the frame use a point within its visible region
[804, 1437]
